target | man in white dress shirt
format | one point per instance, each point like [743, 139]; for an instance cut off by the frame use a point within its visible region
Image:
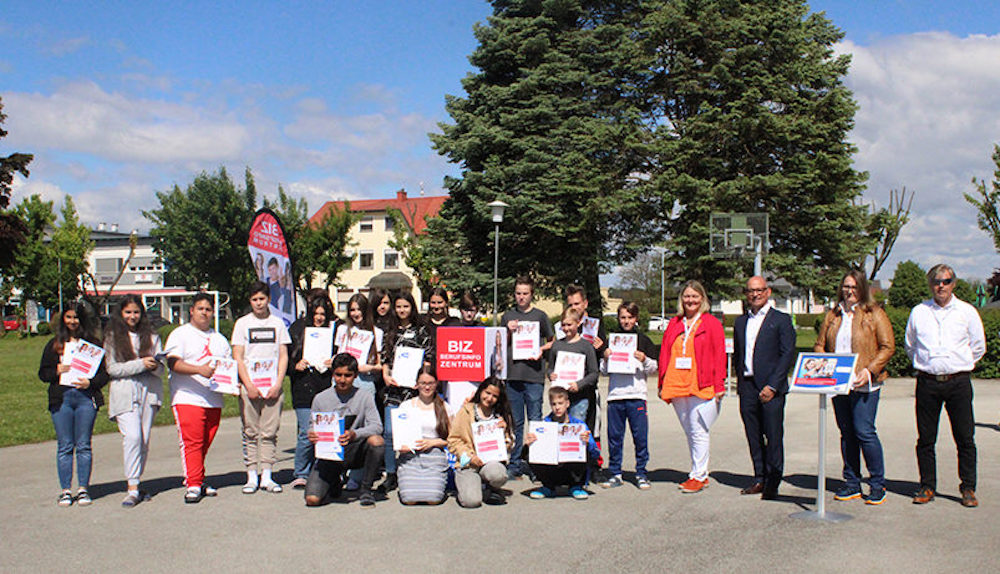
[944, 339]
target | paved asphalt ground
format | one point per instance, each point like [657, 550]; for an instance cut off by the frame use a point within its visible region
[622, 529]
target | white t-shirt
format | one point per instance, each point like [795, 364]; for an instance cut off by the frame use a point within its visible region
[260, 337]
[195, 347]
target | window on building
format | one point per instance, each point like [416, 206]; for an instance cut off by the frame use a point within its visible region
[366, 260]
[391, 259]
[367, 224]
[390, 223]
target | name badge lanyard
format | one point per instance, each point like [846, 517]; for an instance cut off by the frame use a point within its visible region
[688, 330]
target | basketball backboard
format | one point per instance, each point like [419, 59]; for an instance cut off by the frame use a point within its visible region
[734, 234]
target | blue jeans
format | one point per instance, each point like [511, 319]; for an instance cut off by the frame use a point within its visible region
[856, 419]
[632, 411]
[523, 396]
[578, 409]
[74, 422]
[305, 456]
[390, 455]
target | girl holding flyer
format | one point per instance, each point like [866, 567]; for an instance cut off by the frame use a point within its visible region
[359, 323]
[406, 329]
[423, 469]
[308, 381]
[359, 318]
[260, 338]
[73, 406]
[472, 476]
[136, 386]
[692, 369]
[627, 400]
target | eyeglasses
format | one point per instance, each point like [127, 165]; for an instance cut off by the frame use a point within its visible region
[755, 291]
[948, 281]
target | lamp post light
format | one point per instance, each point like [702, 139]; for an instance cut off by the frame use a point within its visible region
[496, 208]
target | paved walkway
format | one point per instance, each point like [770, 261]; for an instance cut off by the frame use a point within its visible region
[618, 530]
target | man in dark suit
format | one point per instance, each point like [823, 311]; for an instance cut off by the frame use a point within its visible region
[763, 348]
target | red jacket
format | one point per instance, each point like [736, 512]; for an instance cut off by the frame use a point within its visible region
[709, 351]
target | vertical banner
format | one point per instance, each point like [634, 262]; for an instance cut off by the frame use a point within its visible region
[271, 263]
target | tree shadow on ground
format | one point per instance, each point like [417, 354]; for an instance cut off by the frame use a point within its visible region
[162, 484]
[665, 475]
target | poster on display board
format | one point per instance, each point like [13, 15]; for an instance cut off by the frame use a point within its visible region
[823, 373]
[271, 263]
[471, 353]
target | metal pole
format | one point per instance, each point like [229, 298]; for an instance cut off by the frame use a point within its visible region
[215, 295]
[821, 473]
[821, 514]
[59, 263]
[496, 265]
[758, 256]
[663, 298]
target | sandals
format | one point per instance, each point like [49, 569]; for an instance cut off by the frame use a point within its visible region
[132, 500]
[193, 495]
[271, 486]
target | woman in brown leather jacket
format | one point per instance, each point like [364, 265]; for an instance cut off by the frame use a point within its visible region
[858, 325]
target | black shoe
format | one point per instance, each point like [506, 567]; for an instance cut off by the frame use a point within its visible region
[390, 483]
[367, 499]
[493, 498]
[769, 494]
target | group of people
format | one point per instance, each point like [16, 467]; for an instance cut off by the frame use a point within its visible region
[944, 338]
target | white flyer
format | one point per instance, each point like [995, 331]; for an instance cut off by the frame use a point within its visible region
[406, 364]
[545, 449]
[317, 346]
[458, 393]
[488, 439]
[328, 428]
[525, 340]
[226, 378]
[589, 327]
[263, 373]
[623, 347]
[571, 447]
[358, 344]
[83, 358]
[405, 429]
[569, 368]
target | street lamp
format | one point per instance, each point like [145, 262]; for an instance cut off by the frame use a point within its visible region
[663, 299]
[496, 208]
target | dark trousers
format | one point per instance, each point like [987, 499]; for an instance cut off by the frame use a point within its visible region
[634, 412]
[764, 424]
[324, 481]
[572, 474]
[956, 396]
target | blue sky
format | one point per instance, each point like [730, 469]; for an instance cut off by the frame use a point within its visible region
[119, 100]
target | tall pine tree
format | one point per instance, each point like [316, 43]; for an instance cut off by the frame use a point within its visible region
[753, 118]
[551, 125]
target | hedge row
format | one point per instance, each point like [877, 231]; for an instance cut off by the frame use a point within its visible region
[225, 328]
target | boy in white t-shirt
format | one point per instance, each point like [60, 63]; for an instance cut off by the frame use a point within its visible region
[197, 408]
[259, 348]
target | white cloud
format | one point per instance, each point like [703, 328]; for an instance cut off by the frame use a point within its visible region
[929, 114]
[82, 117]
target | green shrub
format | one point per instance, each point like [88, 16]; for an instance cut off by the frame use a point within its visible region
[44, 328]
[809, 320]
[899, 365]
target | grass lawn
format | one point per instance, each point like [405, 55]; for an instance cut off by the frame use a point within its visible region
[24, 415]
